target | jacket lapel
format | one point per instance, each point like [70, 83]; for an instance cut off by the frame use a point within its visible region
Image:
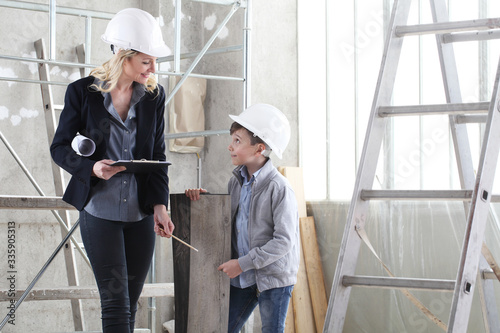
[145, 113]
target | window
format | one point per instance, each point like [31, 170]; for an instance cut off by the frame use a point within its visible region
[339, 60]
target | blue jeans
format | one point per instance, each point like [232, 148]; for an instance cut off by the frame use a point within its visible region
[273, 305]
[120, 254]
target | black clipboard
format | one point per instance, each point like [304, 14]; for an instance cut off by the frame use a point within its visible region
[141, 166]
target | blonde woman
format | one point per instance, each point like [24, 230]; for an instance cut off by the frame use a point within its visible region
[120, 107]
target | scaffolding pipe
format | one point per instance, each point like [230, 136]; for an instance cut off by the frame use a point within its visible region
[202, 53]
[59, 10]
[39, 275]
[52, 30]
[189, 55]
[247, 64]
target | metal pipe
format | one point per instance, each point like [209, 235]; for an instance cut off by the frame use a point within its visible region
[213, 77]
[188, 55]
[152, 300]
[177, 35]
[88, 42]
[48, 62]
[199, 170]
[328, 101]
[13, 79]
[60, 10]
[40, 191]
[195, 134]
[202, 53]
[39, 275]
[247, 63]
[52, 29]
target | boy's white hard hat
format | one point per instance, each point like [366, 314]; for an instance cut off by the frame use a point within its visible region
[135, 29]
[268, 123]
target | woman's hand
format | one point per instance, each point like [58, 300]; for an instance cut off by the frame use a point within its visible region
[164, 226]
[103, 169]
[194, 193]
[231, 268]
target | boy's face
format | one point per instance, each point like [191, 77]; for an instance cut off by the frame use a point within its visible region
[241, 150]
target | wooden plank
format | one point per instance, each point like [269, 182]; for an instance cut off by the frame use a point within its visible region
[294, 176]
[33, 202]
[301, 297]
[201, 291]
[58, 174]
[314, 269]
[79, 292]
[303, 316]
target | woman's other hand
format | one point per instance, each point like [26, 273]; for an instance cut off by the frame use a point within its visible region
[164, 226]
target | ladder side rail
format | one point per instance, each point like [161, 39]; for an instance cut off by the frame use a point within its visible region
[464, 164]
[478, 215]
[50, 120]
[351, 242]
[488, 304]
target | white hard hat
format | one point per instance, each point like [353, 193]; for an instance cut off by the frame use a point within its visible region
[135, 29]
[268, 123]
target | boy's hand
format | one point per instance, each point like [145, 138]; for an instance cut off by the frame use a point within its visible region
[194, 193]
[231, 268]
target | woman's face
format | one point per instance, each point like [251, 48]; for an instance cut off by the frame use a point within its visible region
[139, 67]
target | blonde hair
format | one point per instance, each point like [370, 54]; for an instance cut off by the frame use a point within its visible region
[111, 70]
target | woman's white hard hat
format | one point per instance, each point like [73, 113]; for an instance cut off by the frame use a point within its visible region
[268, 123]
[135, 29]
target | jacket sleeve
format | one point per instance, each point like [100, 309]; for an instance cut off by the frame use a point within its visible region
[157, 190]
[285, 234]
[69, 124]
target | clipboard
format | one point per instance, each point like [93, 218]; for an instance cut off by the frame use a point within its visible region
[141, 166]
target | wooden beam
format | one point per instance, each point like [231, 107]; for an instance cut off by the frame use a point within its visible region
[33, 202]
[301, 305]
[314, 269]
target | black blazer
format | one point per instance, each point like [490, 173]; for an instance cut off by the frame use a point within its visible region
[84, 112]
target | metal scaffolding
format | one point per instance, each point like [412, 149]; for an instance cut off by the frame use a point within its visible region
[55, 204]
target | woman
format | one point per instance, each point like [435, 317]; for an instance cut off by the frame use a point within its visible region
[120, 107]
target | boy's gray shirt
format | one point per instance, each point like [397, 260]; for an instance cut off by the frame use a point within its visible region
[273, 228]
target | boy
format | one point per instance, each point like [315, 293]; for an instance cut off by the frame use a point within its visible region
[265, 232]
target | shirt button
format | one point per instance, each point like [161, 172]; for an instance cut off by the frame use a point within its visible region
[124, 200]
[124, 182]
[125, 150]
[127, 132]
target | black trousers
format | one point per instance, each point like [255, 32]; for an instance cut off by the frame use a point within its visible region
[120, 254]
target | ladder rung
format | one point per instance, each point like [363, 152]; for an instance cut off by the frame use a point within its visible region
[446, 27]
[416, 195]
[471, 36]
[471, 119]
[448, 195]
[489, 275]
[397, 283]
[433, 109]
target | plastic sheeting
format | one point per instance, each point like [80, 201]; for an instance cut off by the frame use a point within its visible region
[415, 240]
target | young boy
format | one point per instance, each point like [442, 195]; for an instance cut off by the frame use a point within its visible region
[265, 232]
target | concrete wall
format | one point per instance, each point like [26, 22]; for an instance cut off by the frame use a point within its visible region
[274, 81]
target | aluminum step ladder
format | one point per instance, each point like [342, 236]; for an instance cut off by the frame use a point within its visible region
[476, 189]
